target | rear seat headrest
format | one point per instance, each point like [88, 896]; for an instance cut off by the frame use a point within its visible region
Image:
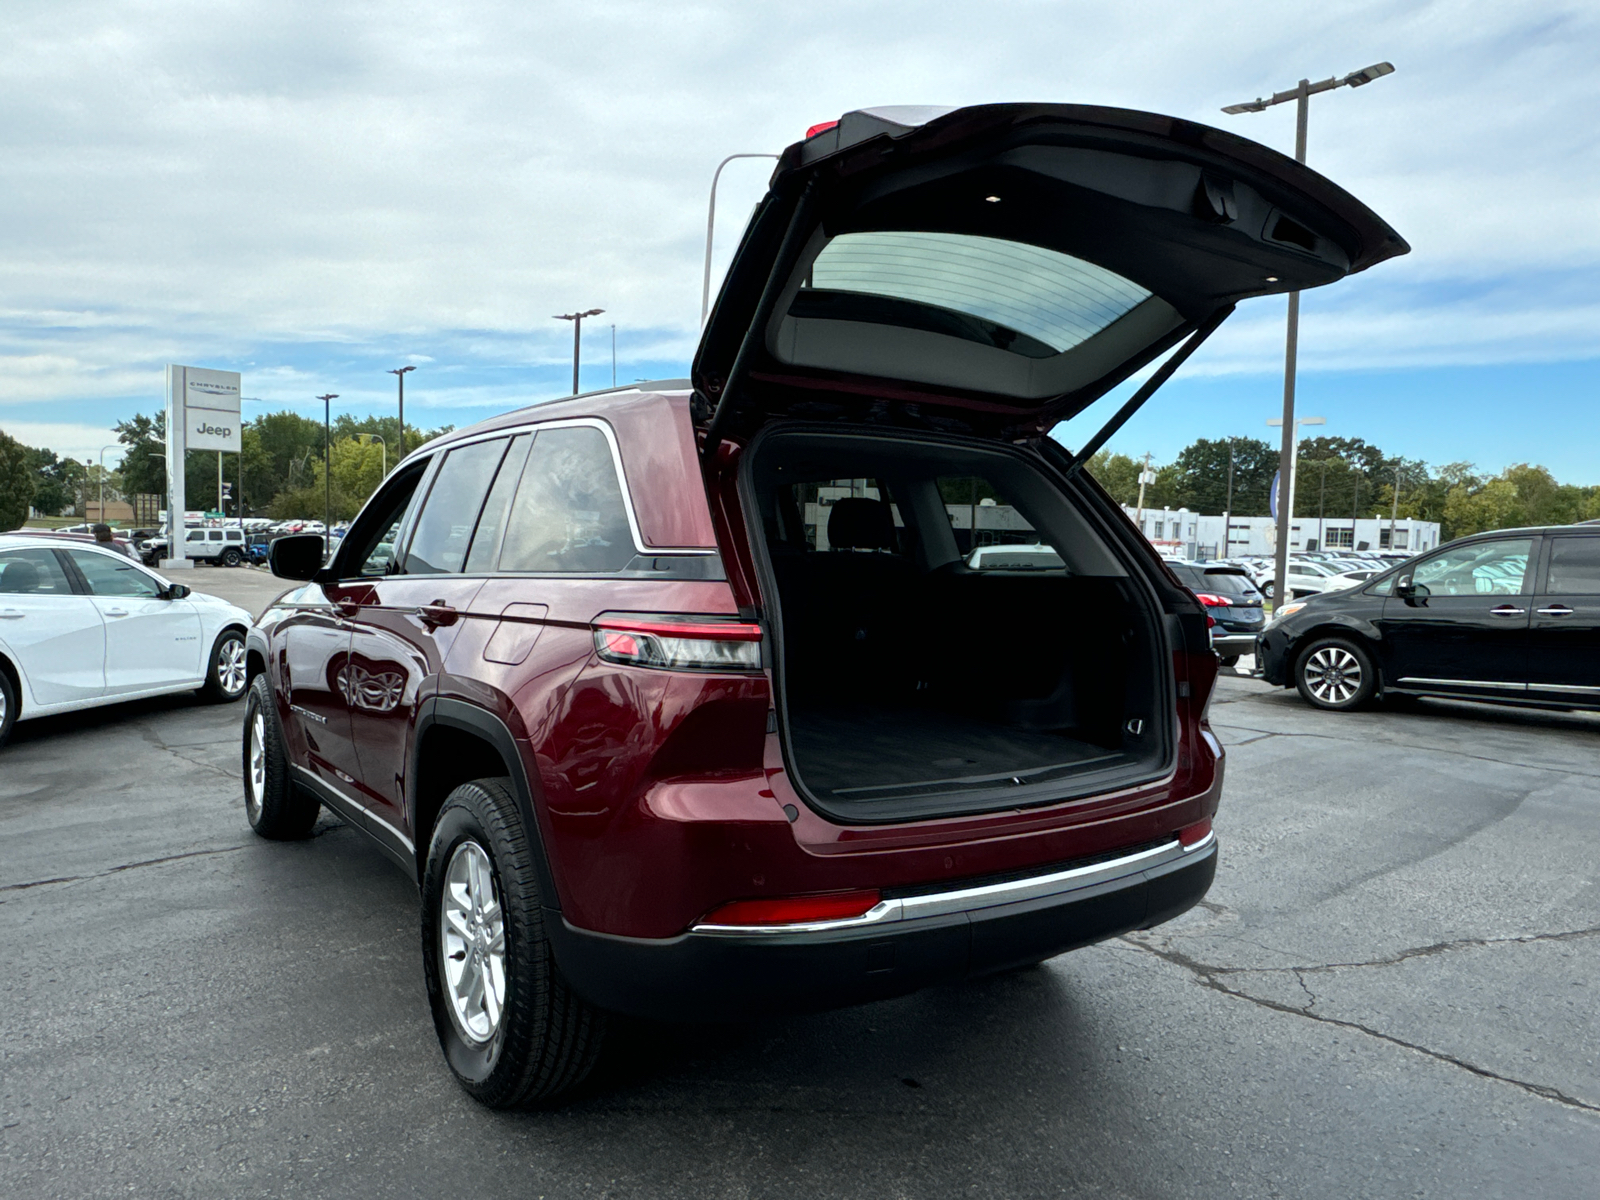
[861, 523]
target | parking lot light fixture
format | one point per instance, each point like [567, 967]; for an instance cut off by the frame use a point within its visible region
[711, 223]
[400, 374]
[327, 468]
[1301, 94]
[577, 337]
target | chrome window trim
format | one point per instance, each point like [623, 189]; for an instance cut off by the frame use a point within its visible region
[1566, 689]
[511, 431]
[984, 896]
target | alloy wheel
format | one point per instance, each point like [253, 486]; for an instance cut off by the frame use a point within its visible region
[256, 791]
[231, 668]
[1333, 675]
[472, 944]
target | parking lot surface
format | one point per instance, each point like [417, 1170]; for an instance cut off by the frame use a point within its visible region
[1389, 992]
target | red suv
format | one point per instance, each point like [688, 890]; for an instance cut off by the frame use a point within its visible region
[691, 700]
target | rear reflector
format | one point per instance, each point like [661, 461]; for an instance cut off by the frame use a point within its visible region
[794, 910]
[1193, 835]
[678, 643]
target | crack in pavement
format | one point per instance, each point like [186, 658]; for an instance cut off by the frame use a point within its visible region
[1452, 751]
[1565, 935]
[149, 862]
[1208, 977]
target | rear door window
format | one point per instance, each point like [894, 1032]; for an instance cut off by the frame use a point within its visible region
[1574, 566]
[1497, 568]
[568, 515]
[444, 527]
[32, 573]
[110, 576]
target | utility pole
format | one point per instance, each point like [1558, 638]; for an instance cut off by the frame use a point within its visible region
[400, 374]
[577, 337]
[1301, 95]
[327, 469]
[1355, 504]
[1394, 509]
[1146, 475]
[1322, 504]
[613, 354]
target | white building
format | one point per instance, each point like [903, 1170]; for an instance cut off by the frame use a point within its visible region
[1197, 536]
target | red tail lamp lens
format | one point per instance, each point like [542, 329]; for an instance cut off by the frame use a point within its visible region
[1212, 600]
[794, 910]
[1193, 835]
[678, 642]
[822, 128]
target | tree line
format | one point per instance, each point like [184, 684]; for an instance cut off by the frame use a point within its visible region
[1338, 477]
[279, 472]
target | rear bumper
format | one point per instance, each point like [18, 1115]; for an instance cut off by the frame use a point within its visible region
[1227, 644]
[905, 943]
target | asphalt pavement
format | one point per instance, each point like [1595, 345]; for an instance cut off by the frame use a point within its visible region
[1389, 992]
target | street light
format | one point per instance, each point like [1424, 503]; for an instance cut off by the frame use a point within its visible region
[400, 374]
[577, 336]
[1302, 96]
[327, 470]
[1286, 483]
[711, 221]
[368, 439]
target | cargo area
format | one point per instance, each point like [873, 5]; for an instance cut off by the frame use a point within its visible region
[955, 636]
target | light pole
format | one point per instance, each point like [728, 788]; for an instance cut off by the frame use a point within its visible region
[1227, 509]
[1286, 494]
[577, 337]
[711, 223]
[1394, 509]
[114, 447]
[1301, 94]
[400, 374]
[327, 468]
[613, 354]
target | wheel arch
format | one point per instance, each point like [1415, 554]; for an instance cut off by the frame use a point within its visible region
[454, 743]
[10, 671]
[1364, 634]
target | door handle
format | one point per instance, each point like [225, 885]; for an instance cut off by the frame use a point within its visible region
[11, 614]
[1507, 610]
[438, 613]
[115, 612]
[1555, 610]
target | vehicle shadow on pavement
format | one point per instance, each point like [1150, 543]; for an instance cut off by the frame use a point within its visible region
[105, 718]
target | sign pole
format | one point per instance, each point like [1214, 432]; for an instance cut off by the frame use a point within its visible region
[177, 386]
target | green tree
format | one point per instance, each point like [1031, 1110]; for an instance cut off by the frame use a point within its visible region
[16, 482]
[57, 482]
[1117, 474]
[1200, 480]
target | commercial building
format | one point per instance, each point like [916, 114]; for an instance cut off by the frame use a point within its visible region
[1197, 536]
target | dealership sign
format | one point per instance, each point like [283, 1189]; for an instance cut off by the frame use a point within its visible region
[202, 414]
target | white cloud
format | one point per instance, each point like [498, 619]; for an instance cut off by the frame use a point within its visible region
[204, 181]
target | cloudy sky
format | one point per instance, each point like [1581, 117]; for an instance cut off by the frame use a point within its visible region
[311, 193]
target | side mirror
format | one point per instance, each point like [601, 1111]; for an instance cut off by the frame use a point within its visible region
[175, 591]
[297, 557]
[1404, 587]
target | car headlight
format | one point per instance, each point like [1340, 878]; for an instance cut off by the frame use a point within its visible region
[1288, 610]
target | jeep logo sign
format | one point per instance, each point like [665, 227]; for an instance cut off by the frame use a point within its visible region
[210, 409]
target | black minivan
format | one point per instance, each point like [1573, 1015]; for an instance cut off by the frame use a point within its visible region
[1510, 616]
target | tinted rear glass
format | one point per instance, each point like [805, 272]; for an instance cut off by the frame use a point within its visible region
[445, 526]
[1218, 581]
[1574, 566]
[568, 515]
[1022, 298]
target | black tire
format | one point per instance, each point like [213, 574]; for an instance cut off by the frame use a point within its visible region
[225, 670]
[274, 805]
[1268, 588]
[546, 1039]
[1231, 660]
[1336, 674]
[231, 557]
[8, 705]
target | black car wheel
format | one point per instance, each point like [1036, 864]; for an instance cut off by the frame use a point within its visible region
[276, 808]
[231, 557]
[226, 674]
[8, 706]
[511, 1030]
[1335, 673]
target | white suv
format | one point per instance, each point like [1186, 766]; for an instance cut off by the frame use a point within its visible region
[220, 547]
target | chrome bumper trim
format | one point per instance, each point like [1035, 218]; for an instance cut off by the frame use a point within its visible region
[975, 899]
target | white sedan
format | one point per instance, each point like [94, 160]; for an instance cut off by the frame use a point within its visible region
[81, 626]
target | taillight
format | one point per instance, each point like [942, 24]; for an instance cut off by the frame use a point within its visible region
[1193, 835]
[822, 128]
[795, 910]
[674, 643]
[1212, 600]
